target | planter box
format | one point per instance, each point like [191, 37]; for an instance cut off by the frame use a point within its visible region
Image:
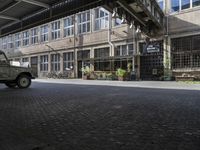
[180, 78]
[85, 77]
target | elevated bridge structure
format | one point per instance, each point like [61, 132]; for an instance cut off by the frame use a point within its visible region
[18, 15]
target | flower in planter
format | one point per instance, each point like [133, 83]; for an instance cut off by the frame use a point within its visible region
[121, 73]
[86, 72]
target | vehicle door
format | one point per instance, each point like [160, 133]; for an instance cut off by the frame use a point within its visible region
[4, 68]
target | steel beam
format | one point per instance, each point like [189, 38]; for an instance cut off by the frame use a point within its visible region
[9, 18]
[34, 2]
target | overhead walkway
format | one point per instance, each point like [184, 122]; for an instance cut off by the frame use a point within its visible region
[17, 15]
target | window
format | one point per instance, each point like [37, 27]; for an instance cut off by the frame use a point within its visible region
[117, 22]
[17, 40]
[68, 26]
[44, 33]
[84, 22]
[25, 60]
[101, 19]
[124, 50]
[4, 42]
[55, 62]
[25, 38]
[185, 4]
[102, 52]
[68, 61]
[55, 30]
[83, 55]
[195, 3]
[44, 63]
[161, 3]
[34, 36]
[175, 6]
[10, 41]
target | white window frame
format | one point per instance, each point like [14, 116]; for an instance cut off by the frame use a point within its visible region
[102, 21]
[127, 49]
[68, 26]
[25, 38]
[4, 42]
[68, 62]
[10, 41]
[44, 33]
[81, 24]
[44, 63]
[56, 30]
[34, 35]
[17, 40]
[55, 62]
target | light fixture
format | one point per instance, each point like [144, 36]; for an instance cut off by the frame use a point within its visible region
[115, 14]
[132, 25]
[123, 19]
[138, 29]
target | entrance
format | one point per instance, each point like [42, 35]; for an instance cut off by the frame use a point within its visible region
[34, 65]
[82, 64]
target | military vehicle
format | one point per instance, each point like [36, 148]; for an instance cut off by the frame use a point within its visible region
[14, 75]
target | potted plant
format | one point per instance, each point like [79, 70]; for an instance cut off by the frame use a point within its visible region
[86, 72]
[121, 73]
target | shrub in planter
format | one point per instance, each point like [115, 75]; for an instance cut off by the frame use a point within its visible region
[86, 72]
[121, 74]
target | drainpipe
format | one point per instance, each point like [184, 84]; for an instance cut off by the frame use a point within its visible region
[109, 34]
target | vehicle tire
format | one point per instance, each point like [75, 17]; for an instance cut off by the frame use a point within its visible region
[11, 85]
[23, 81]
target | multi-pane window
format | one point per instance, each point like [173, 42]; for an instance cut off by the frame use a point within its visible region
[25, 38]
[4, 42]
[101, 19]
[195, 3]
[124, 50]
[55, 62]
[175, 5]
[10, 41]
[83, 55]
[68, 26]
[25, 59]
[102, 52]
[185, 4]
[34, 36]
[161, 3]
[68, 61]
[55, 30]
[117, 22]
[17, 40]
[84, 22]
[44, 33]
[44, 63]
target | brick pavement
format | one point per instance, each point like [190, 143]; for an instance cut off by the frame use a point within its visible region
[82, 117]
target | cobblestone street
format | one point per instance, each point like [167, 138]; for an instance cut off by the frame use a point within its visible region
[50, 116]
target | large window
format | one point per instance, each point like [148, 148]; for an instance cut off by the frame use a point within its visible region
[34, 36]
[44, 33]
[4, 42]
[68, 61]
[102, 52]
[84, 22]
[55, 30]
[185, 4]
[17, 40]
[101, 19]
[68, 26]
[124, 50]
[195, 3]
[44, 63]
[175, 5]
[55, 62]
[161, 3]
[83, 55]
[10, 41]
[186, 52]
[25, 38]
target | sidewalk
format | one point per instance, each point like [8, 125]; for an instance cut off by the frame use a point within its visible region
[139, 84]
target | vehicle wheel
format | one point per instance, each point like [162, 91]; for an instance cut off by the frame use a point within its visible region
[23, 82]
[11, 85]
